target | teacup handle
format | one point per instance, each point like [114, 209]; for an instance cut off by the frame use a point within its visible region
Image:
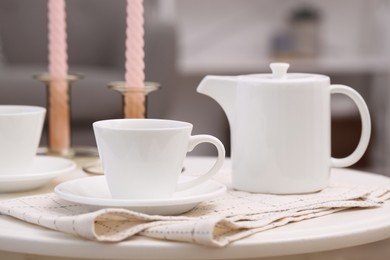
[194, 141]
[366, 126]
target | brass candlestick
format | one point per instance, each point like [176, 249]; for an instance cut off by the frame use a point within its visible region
[60, 144]
[136, 95]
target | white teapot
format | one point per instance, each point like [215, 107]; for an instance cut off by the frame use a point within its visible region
[280, 129]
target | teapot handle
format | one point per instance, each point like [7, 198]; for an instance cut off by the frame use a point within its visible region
[366, 126]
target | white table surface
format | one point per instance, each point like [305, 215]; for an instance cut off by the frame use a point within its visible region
[334, 233]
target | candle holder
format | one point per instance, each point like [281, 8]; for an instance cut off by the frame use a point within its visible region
[69, 151]
[95, 167]
[123, 89]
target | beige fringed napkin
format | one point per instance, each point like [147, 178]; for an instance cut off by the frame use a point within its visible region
[217, 223]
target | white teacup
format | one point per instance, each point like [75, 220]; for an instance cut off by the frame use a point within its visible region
[143, 158]
[20, 133]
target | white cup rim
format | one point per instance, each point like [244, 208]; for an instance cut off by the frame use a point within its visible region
[15, 110]
[141, 124]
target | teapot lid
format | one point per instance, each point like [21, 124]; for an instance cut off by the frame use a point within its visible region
[279, 72]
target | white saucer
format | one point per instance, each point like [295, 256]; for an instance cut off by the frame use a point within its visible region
[43, 170]
[94, 191]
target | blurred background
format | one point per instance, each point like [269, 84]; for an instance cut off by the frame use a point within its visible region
[349, 40]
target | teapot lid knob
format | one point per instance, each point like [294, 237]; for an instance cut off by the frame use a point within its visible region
[279, 70]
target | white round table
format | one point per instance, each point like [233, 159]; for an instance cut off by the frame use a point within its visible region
[351, 228]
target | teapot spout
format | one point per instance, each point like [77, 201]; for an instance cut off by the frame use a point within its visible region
[222, 89]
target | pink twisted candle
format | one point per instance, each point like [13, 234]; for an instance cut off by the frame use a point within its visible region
[59, 116]
[135, 100]
[58, 57]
